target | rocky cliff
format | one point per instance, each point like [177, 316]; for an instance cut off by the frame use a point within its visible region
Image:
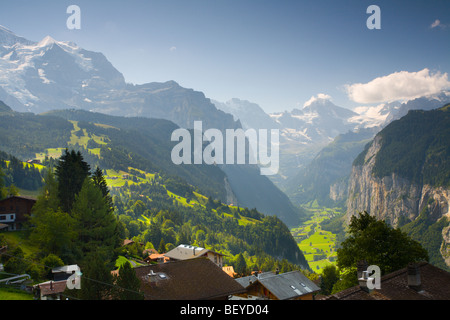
[391, 198]
[411, 202]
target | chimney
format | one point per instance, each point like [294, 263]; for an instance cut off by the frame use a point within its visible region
[414, 281]
[363, 275]
[363, 281]
[361, 267]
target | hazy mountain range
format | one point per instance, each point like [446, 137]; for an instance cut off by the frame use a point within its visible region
[39, 77]
[54, 75]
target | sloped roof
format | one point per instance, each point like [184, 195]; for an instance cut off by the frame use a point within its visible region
[20, 197]
[192, 279]
[52, 287]
[66, 269]
[435, 285]
[287, 285]
[183, 252]
[246, 281]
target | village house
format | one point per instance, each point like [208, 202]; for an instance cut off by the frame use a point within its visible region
[417, 281]
[275, 286]
[54, 289]
[185, 252]
[191, 279]
[230, 271]
[14, 212]
[157, 258]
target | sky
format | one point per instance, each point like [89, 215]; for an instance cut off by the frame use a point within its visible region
[276, 53]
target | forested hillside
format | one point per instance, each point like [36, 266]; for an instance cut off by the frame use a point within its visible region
[155, 202]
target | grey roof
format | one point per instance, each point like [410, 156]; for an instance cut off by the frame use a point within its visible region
[288, 285]
[246, 281]
[66, 269]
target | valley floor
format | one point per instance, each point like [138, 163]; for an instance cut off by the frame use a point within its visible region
[318, 245]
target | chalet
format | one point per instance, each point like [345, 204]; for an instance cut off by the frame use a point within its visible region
[54, 289]
[275, 286]
[191, 279]
[185, 252]
[14, 211]
[421, 281]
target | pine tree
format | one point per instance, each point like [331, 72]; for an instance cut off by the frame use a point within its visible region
[2, 184]
[96, 280]
[128, 284]
[71, 172]
[99, 181]
[95, 223]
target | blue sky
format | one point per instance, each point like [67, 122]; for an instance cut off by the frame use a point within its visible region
[275, 53]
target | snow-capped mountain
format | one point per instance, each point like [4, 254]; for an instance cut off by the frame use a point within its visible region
[49, 74]
[318, 121]
[39, 76]
[383, 114]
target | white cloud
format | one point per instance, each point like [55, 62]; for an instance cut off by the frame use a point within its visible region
[402, 85]
[436, 23]
[320, 96]
[172, 49]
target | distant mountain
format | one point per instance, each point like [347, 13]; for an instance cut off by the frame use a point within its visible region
[319, 121]
[319, 142]
[303, 132]
[383, 114]
[250, 114]
[50, 74]
[325, 178]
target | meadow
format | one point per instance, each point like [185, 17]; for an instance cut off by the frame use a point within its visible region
[318, 245]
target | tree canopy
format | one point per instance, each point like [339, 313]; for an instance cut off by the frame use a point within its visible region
[377, 243]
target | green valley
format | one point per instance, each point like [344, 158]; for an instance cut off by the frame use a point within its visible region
[315, 239]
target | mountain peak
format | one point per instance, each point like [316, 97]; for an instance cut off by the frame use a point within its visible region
[320, 99]
[48, 40]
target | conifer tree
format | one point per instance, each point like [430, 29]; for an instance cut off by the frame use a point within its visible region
[100, 181]
[128, 284]
[71, 172]
[96, 280]
[2, 184]
[95, 223]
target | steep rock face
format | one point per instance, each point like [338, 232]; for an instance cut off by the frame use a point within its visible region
[395, 199]
[391, 197]
[338, 190]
